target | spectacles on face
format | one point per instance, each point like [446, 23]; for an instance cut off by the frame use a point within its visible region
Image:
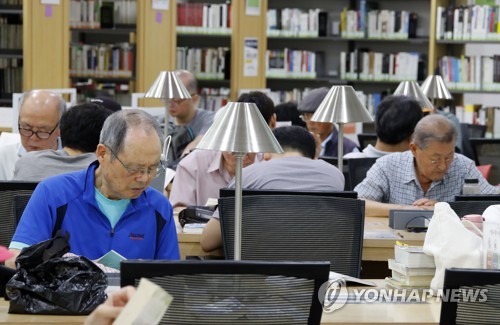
[152, 172]
[42, 135]
[436, 162]
[177, 102]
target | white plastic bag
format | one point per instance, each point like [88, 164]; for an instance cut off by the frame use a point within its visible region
[451, 243]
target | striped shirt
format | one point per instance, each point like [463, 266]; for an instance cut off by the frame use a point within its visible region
[392, 179]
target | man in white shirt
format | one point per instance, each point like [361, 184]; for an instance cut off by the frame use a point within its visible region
[39, 115]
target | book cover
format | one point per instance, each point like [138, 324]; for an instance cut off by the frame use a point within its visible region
[111, 259]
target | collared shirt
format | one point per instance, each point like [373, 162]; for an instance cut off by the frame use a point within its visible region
[368, 152]
[199, 176]
[392, 179]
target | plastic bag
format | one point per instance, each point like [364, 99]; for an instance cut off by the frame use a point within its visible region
[48, 283]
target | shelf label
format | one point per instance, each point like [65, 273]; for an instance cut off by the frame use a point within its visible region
[251, 57]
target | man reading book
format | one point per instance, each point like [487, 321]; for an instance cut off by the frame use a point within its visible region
[107, 206]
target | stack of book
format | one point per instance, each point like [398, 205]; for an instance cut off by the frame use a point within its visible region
[411, 268]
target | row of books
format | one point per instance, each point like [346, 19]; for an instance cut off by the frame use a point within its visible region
[296, 22]
[11, 2]
[212, 99]
[87, 13]
[11, 35]
[204, 63]
[289, 63]
[205, 18]
[378, 24]
[11, 76]
[471, 72]
[102, 60]
[379, 66]
[475, 22]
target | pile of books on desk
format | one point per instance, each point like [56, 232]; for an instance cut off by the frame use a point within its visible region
[411, 268]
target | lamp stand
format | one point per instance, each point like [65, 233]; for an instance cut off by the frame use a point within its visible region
[238, 205]
[340, 151]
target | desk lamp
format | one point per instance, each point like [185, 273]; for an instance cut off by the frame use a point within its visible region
[240, 129]
[341, 105]
[167, 86]
[412, 89]
[435, 88]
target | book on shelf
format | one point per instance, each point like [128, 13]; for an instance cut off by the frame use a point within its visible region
[204, 63]
[295, 22]
[413, 256]
[87, 13]
[204, 18]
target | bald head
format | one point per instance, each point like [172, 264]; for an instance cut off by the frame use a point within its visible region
[436, 128]
[188, 80]
[40, 111]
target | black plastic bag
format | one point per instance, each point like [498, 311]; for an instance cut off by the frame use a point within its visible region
[47, 283]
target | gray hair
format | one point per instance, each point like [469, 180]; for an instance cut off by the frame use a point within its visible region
[61, 105]
[436, 128]
[116, 126]
[188, 80]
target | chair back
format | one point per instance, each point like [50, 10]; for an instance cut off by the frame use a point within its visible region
[234, 292]
[487, 152]
[358, 167]
[463, 308]
[10, 206]
[365, 139]
[297, 228]
[463, 208]
[471, 131]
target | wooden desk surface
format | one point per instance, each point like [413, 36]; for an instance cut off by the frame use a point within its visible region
[385, 312]
[35, 319]
[378, 244]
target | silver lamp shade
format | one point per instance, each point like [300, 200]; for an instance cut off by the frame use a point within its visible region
[412, 89]
[167, 86]
[435, 88]
[240, 127]
[341, 105]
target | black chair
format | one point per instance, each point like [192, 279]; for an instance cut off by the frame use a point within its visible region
[9, 190]
[487, 152]
[365, 139]
[297, 228]
[471, 131]
[235, 292]
[358, 167]
[484, 309]
[463, 208]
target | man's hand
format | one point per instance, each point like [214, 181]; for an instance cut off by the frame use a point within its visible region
[107, 312]
[426, 204]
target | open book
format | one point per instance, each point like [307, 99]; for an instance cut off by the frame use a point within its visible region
[350, 279]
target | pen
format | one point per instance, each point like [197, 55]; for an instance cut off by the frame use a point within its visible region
[399, 234]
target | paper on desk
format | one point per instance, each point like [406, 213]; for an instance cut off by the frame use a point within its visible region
[380, 234]
[147, 305]
[169, 176]
[347, 278]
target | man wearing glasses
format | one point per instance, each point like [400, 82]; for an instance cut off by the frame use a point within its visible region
[108, 206]
[428, 173]
[39, 115]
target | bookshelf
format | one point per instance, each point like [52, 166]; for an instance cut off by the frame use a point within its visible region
[11, 54]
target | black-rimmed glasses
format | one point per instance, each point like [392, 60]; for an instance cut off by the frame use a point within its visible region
[133, 171]
[42, 135]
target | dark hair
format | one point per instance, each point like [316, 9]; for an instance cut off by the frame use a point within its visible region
[263, 102]
[288, 112]
[296, 138]
[396, 118]
[81, 126]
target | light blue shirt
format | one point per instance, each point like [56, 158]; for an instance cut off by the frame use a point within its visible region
[392, 179]
[112, 209]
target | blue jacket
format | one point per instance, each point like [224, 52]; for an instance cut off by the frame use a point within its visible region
[332, 146]
[91, 235]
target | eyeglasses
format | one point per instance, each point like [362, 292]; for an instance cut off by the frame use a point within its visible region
[133, 171]
[436, 162]
[177, 102]
[42, 135]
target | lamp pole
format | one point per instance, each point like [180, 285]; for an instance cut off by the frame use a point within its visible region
[238, 205]
[340, 151]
